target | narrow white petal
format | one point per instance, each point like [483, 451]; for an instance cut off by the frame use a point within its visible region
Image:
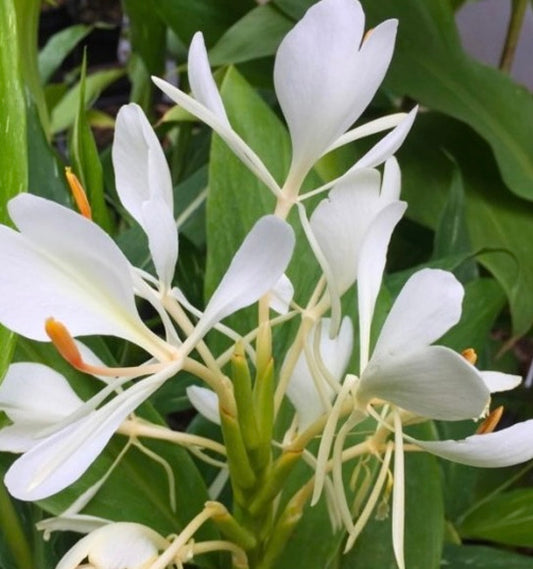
[388, 145]
[141, 170]
[302, 389]
[392, 181]
[230, 137]
[372, 258]
[205, 401]
[497, 381]
[492, 450]
[121, 545]
[323, 82]
[340, 222]
[203, 86]
[65, 266]
[433, 382]
[162, 233]
[60, 459]
[79, 523]
[254, 270]
[428, 305]
[281, 295]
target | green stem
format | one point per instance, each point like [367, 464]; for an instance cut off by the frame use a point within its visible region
[513, 34]
[12, 532]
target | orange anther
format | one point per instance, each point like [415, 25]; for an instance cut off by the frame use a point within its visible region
[491, 422]
[470, 355]
[64, 342]
[78, 193]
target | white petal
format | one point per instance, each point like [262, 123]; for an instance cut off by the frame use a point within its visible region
[34, 397]
[372, 258]
[160, 227]
[322, 81]
[428, 306]
[141, 170]
[205, 402]
[281, 295]
[203, 86]
[121, 545]
[388, 145]
[254, 270]
[340, 222]
[65, 266]
[61, 458]
[492, 450]
[497, 381]
[335, 354]
[231, 138]
[79, 523]
[433, 382]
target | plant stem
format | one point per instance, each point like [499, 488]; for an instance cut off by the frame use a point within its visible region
[513, 33]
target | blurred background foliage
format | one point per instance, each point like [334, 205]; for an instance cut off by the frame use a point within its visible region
[65, 69]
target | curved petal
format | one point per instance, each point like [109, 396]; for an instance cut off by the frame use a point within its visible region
[79, 523]
[124, 545]
[205, 401]
[141, 170]
[372, 258]
[61, 458]
[254, 270]
[428, 305]
[492, 450]
[340, 222]
[335, 354]
[433, 382]
[497, 381]
[202, 84]
[281, 295]
[319, 72]
[34, 397]
[160, 227]
[65, 266]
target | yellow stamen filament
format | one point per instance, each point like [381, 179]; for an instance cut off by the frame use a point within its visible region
[470, 356]
[491, 422]
[78, 193]
[64, 342]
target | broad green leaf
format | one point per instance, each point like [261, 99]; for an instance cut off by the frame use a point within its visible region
[255, 35]
[497, 221]
[85, 160]
[482, 557]
[64, 113]
[211, 17]
[58, 47]
[148, 42]
[507, 518]
[430, 67]
[424, 520]
[451, 235]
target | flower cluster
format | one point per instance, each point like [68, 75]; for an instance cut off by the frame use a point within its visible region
[64, 278]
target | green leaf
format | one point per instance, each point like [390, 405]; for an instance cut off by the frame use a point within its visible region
[64, 113]
[497, 221]
[58, 47]
[430, 67]
[85, 160]
[256, 35]
[211, 17]
[424, 520]
[506, 518]
[148, 41]
[482, 557]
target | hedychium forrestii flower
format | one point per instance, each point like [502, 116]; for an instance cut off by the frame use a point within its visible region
[325, 75]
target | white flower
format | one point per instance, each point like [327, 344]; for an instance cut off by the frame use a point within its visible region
[144, 186]
[205, 401]
[120, 545]
[325, 75]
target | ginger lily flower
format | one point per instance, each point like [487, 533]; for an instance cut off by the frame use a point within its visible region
[325, 75]
[144, 187]
[123, 545]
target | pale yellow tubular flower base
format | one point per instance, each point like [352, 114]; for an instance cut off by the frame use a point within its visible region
[398, 492]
